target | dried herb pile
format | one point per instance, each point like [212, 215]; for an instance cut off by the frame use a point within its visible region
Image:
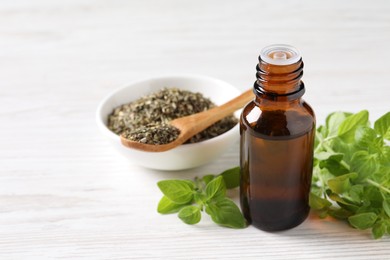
[159, 108]
[153, 134]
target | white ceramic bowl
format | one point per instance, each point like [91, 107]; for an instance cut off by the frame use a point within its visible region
[187, 155]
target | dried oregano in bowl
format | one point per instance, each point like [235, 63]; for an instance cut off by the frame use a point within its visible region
[145, 119]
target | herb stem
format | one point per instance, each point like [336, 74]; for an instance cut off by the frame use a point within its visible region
[318, 148]
[345, 164]
[378, 185]
[330, 138]
[321, 141]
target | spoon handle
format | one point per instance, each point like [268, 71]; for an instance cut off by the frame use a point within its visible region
[200, 121]
[234, 104]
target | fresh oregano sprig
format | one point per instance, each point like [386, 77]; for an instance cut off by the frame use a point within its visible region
[189, 198]
[351, 174]
[351, 179]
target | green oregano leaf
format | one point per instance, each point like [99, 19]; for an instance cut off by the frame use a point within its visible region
[207, 178]
[385, 157]
[341, 184]
[366, 139]
[387, 134]
[190, 215]
[348, 127]
[333, 122]
[363, 220]
[318, 203]
[372, 197]
[334, 166]
[382, 125]
[386, 206]
[231, 177]
[378, 230]
[178, 191]
[329, 156]
[225, 212]
[340, 213]
[355, 193]
[364, 164]
[216, 188]
[166, 206]
[343, 202]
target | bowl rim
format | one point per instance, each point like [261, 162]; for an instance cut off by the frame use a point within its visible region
[107, 132]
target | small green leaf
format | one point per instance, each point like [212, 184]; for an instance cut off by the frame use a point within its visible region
[372, 197]
[178, 191]
[378, 230]
[343, 202]
[231, 177]
[363, 220]
[346, 149]
[364, 164]
[216, 188]
[329, 156]
[355, 193]
[323, 213]
[366, 139]
[387, 135]
[348, 127]
[190, 215]
[318, 203]
[166, 206]
[208, 178]
[382, 125]
[386, 206]
[333, 166]
[333, 122]
[340, 213]
[385, 156]
[225, 213]
[341, 183]
[387, 223]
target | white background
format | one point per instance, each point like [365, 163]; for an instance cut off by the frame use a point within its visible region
[64, 191]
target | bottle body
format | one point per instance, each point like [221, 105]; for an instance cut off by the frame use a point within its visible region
[276, 154]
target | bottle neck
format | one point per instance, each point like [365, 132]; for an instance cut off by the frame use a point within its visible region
[279, 82]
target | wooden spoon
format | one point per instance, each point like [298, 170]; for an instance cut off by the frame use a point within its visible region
[193, 124]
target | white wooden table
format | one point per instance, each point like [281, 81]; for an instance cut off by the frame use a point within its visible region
[65, 193]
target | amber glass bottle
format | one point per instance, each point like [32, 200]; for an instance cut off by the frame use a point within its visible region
[277, 137]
